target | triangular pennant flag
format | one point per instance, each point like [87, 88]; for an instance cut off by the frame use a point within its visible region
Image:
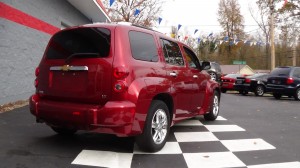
[179, 26]
[199, 40]
[195, 31]
[221, 41]
[136, 12]
[210, 35]
[186, 37]
[172, 35]
[111, 2]
[159, 20]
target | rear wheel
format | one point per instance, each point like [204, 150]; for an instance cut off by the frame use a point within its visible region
[64, 131]
[223, 90]
[277, 95]
[259, 90]
[156, 129]
[244, 92]
[297, 94]
[213, 76]
[214, 108]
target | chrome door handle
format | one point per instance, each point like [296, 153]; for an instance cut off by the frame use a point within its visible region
[174, 74]
[195, 76]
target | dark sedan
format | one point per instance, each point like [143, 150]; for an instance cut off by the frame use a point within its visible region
[255, 83]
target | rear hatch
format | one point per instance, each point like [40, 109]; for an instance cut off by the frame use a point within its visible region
[278, 77]
[77, 66]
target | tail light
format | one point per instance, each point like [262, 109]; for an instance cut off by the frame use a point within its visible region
[290, 81]
[36, 82]
[247, 80]
[120, 72]
[37, 72]
[120, 86]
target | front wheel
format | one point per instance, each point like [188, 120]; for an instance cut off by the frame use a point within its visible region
[259, 90]
[277, 95]
[297, 94]
[156, 129]
[214, 108]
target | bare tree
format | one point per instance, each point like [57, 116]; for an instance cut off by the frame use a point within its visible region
[262, 18]
[231, 20]
[140, 12]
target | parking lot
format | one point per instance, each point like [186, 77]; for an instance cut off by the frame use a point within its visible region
[251, 132]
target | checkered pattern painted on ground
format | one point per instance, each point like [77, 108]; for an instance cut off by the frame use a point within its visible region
[193, 143]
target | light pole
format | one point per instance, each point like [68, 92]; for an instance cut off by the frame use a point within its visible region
[271, 2]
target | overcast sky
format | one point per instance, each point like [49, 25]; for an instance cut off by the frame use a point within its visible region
[201, 15]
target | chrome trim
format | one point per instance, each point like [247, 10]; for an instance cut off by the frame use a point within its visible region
[71, 68]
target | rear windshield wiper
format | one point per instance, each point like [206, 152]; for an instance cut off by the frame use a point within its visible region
[68, 59]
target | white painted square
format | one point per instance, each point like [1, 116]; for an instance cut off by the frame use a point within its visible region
[103, 159]
[220, 118]
[212, 160]
[246, 145]
[189, 123]
[223, 128]
[195, 136]
[169, 148]
[277, 165]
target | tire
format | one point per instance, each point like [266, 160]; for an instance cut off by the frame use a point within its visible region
[214, 108]
[259, 90]
[64, 131]
[277, 95]
[156, 129]
[223, 90]
[244, 93]
[297, 94]
[213, 76]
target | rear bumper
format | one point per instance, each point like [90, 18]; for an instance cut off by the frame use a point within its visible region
[242, 87]
[113, 118]
[285, 90]
[227, 86]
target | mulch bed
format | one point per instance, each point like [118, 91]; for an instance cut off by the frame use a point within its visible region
[13, 105]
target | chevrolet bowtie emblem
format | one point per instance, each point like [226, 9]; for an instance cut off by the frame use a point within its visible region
[65, 68]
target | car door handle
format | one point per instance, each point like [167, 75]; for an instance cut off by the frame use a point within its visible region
[174, 74]
[195, 76]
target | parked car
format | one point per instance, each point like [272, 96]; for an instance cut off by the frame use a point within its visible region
[228, 82]
[285, 81]
[215, 72]
[254, 83]
[121, 79]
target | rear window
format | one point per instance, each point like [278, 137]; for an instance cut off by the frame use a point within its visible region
[81, 42]
[143, 46]
[283, 71]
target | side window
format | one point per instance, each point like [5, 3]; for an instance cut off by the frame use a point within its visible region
[296, 73]
[172, 52]
[191, 59]
[143, 46]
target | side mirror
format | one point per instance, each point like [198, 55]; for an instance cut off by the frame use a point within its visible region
[205, 65]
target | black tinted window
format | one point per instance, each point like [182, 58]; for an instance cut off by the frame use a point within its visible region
[172, 52]
[143, 46]
[283, 71]
[82, 40]
[191, 59]
[296, 73]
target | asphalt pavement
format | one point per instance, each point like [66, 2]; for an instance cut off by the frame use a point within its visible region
[251, 132]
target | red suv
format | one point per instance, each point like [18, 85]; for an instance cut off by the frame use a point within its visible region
[123, 80]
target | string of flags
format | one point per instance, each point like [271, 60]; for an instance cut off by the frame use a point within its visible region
[209, 37]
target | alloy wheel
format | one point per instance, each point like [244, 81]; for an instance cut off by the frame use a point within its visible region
[159, 126]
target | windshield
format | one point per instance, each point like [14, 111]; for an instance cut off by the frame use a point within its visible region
[81, 40]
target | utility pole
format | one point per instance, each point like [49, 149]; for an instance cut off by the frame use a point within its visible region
[271, 2]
